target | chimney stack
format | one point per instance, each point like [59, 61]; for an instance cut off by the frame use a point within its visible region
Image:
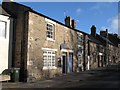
[93, 30]
[73, 24]
[115, 35]
[104, 33]
[69, 22]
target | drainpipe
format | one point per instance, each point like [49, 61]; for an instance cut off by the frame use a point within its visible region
[84, 54]
[88, 67]
[13, 42]
[107, 61]
[10, 65]
[88, 63]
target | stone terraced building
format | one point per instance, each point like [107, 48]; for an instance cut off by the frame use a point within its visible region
[43, 47]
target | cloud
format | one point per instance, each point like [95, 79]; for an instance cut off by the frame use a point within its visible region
[114, 24]
[97, 6]
[78, 11]
[100, 5]
[104, 28]
[65, 12]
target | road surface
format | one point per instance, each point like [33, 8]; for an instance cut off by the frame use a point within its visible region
[107, 77]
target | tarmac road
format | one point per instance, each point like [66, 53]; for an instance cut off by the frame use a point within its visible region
[107, 77]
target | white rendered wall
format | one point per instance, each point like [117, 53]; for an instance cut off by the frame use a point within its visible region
[4, 44]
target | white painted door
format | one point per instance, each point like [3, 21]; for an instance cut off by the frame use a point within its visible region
[4, 42]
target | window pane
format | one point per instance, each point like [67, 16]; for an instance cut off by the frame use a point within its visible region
[2, 29]
[50, 30]
[51, 33]
[44, 52]
[47, 28]
[53, 52]
[49, 58]
[48, 36]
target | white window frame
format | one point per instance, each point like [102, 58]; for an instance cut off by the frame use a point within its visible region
[49, 62]
[52, 23]
[67, 50]
[51, 31]
[5, 19]
[79, 46]
[79, 36]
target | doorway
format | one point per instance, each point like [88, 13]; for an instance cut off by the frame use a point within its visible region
[64, 66]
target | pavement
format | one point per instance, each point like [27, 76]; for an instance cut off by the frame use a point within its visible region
[105, 77]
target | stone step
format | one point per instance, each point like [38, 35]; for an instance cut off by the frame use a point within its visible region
[4, 77]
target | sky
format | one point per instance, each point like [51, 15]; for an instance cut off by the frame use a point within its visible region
[101, 14]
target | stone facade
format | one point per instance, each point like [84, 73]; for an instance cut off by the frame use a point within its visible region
[37, 40]
[93, 56]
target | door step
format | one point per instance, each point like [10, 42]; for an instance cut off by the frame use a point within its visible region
[4, 78]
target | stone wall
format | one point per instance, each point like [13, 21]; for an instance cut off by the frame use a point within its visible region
[37, 40]
[93, 55]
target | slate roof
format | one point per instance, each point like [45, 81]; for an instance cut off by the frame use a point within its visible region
[114, 39]
[3, 12]
[93, 39]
